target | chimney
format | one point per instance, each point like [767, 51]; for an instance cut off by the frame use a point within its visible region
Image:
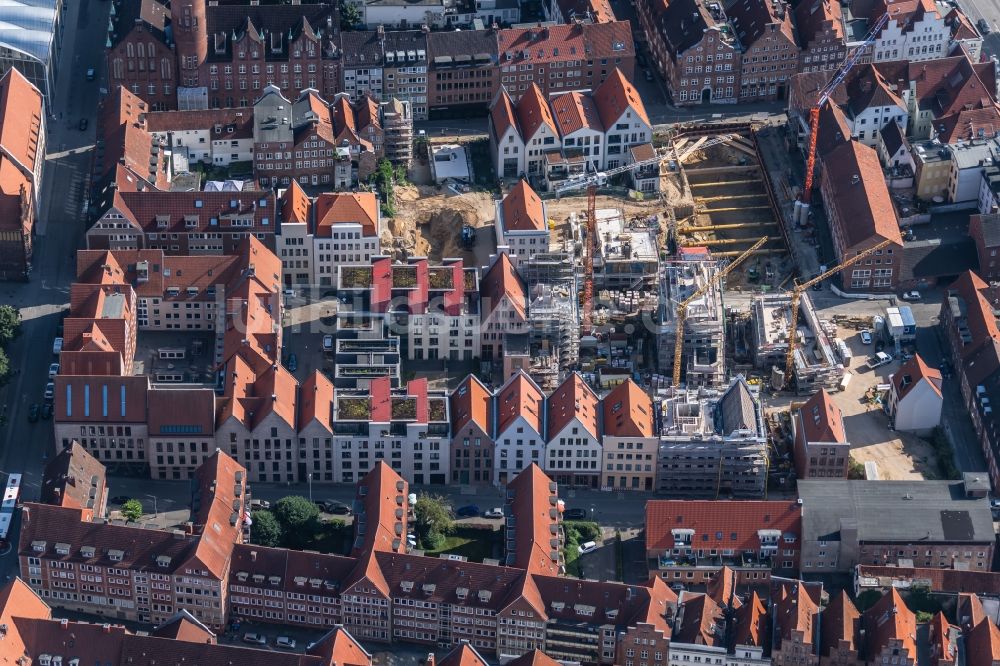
[430, 659]
[64, 623]
[106, 628]
[855, 179]
[253, 555]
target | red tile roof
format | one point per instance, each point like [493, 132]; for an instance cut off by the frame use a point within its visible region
[224, 124]
[520, 396]
[979, 317]
[218, 512]
[730, 524]
[574, 111]
[699, 621]
[578, 41]
[911, 373]
[502, 113]
[982, 644]
[840, 622]
[74, 479]
[950, 581]
[628, 411]
[191, 407]
[184, 627]
[94, 399]
[615, 96]
[941, 644]
[523, 209]
[946, 85]
[815, 16]
[533, 112]
[821, 419]
[295, 204]
[384, 495]
[20, 120]
[795, 611]
[194, 212]
[471, 401]
[315, 400]
[533, 658]
[536, 532]
[501, 283]
[969, 124]
[333, 208]
[751, 622]
[860, 195]
[339, 648]
[890, 619]
[573, 399]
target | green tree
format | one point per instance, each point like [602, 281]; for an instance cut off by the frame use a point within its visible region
[299, 520]
[4, 367]
[132, 510]
[265, 530]
[350, 16]
[384, 179]
[433, 521]
[10, 323]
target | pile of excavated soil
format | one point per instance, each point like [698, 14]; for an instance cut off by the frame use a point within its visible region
[429, 222]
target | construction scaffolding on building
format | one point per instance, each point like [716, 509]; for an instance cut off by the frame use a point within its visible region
[626, 254]
[817, 364]
[713, 443]
[703, 355]
[553, 316]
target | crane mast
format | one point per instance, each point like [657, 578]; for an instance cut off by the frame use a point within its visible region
[683, 305]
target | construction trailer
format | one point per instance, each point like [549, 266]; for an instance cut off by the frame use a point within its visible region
[713, 443]
[817, 363]
[703, 355]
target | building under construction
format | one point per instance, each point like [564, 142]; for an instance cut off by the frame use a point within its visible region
[625, 255]
[712, 443]
[703, 357]
[816, 362]
[553, 316]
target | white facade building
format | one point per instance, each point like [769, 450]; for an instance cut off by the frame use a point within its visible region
[519, 439]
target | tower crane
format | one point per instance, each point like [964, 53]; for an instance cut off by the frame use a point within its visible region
[824, 95]
[698, 293]
[797, 290]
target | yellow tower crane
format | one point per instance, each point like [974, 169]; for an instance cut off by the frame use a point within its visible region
[683, 305]
[797, 290]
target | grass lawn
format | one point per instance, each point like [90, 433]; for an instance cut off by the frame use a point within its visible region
[476, 545]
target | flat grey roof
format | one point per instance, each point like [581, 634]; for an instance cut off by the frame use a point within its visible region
[894, 511]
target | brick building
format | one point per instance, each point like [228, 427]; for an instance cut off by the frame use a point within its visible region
[472, 449]
[821, 446]
[820, 29]
[770, 51]
[462, 72]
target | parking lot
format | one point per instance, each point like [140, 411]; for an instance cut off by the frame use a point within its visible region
[898, 456]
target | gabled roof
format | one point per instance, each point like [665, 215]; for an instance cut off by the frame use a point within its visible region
[751, 622]
[315, 399]
[615, 96]
[738, 408]
[573, 399]
[575, 111]
[472, 402]
[893, 138]
[700, 621]
[20, 120]
[970, 611]
[533, 112]
[520, 396]
[684, 23]
[339, 648]
[502, 282]
[834, 130]
[860, 195]
[73, 478]
[334, 208]
[462, 655]
[502, 114]
[890, 619]
[941, 644]
[523, 209]
[728, 524]
[532, 658]
[184, 627]
[534, 506]
[795, 611]
[821, 419]
[946, 85]
[755, 18]
[969, 124]
[870, 89]
[383, 494]
[295, 204]
[982, 644]
[911, 373]
[628, 411]
[815, 16]
[840, 622]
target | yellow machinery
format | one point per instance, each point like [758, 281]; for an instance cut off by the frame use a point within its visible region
[797, 294]
[683, 305]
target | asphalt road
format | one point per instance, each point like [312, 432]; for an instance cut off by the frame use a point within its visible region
[59, 232]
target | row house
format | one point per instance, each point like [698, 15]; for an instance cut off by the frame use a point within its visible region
[695, 50]
[139, 54]
[22, 153]
[75, 479]
[503, 307]
[463, 72]
[472, 447]
[689, 540]
[314, 142]
[184, 223]
[436, 307]
[408, 428]
[915, 31]
[795, 614]
[770, 50]
[820, 28]
[629, 441]
[214, 137]
[387, 65]
[943, 87]
[821, 445]
[550, 138]
[861, 215]
[35, 636]
[125, 572]
[319, 234]
[534, 544]
[973, 348]
[873, 103]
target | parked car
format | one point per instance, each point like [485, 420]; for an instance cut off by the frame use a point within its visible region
[911, 296]
[53, 370]
[648, 75]
[46, 411]
[588, 547]
[50, 391]
[57, 346]
[256, 639]
[33, 412]
[257, 505]
[467, 511]
[119, 499]
[285, 642]
[866, 336]
[84, 124]
[984, 27]
[494, 513]
[293, 363]
[575, 514]
[879, 359]
[91, 74]
[327, 343]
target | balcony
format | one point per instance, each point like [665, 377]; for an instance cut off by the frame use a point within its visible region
[740, 560]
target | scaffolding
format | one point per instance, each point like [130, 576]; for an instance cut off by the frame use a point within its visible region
[703, 329]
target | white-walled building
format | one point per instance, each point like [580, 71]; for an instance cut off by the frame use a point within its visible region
[580, 126]
[624, 117]
[573, 451]
[407, 428]
[520, 423]
[915, 398]
[294, 240]
[506, 144]
[503, 306]
[872, 105]
[217, 137]
[348, 225]
[521, 223]
[919, 35]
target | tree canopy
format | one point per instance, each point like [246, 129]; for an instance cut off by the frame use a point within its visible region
[132, 510]
[299, 520]
[433, 520]
[265, 529]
